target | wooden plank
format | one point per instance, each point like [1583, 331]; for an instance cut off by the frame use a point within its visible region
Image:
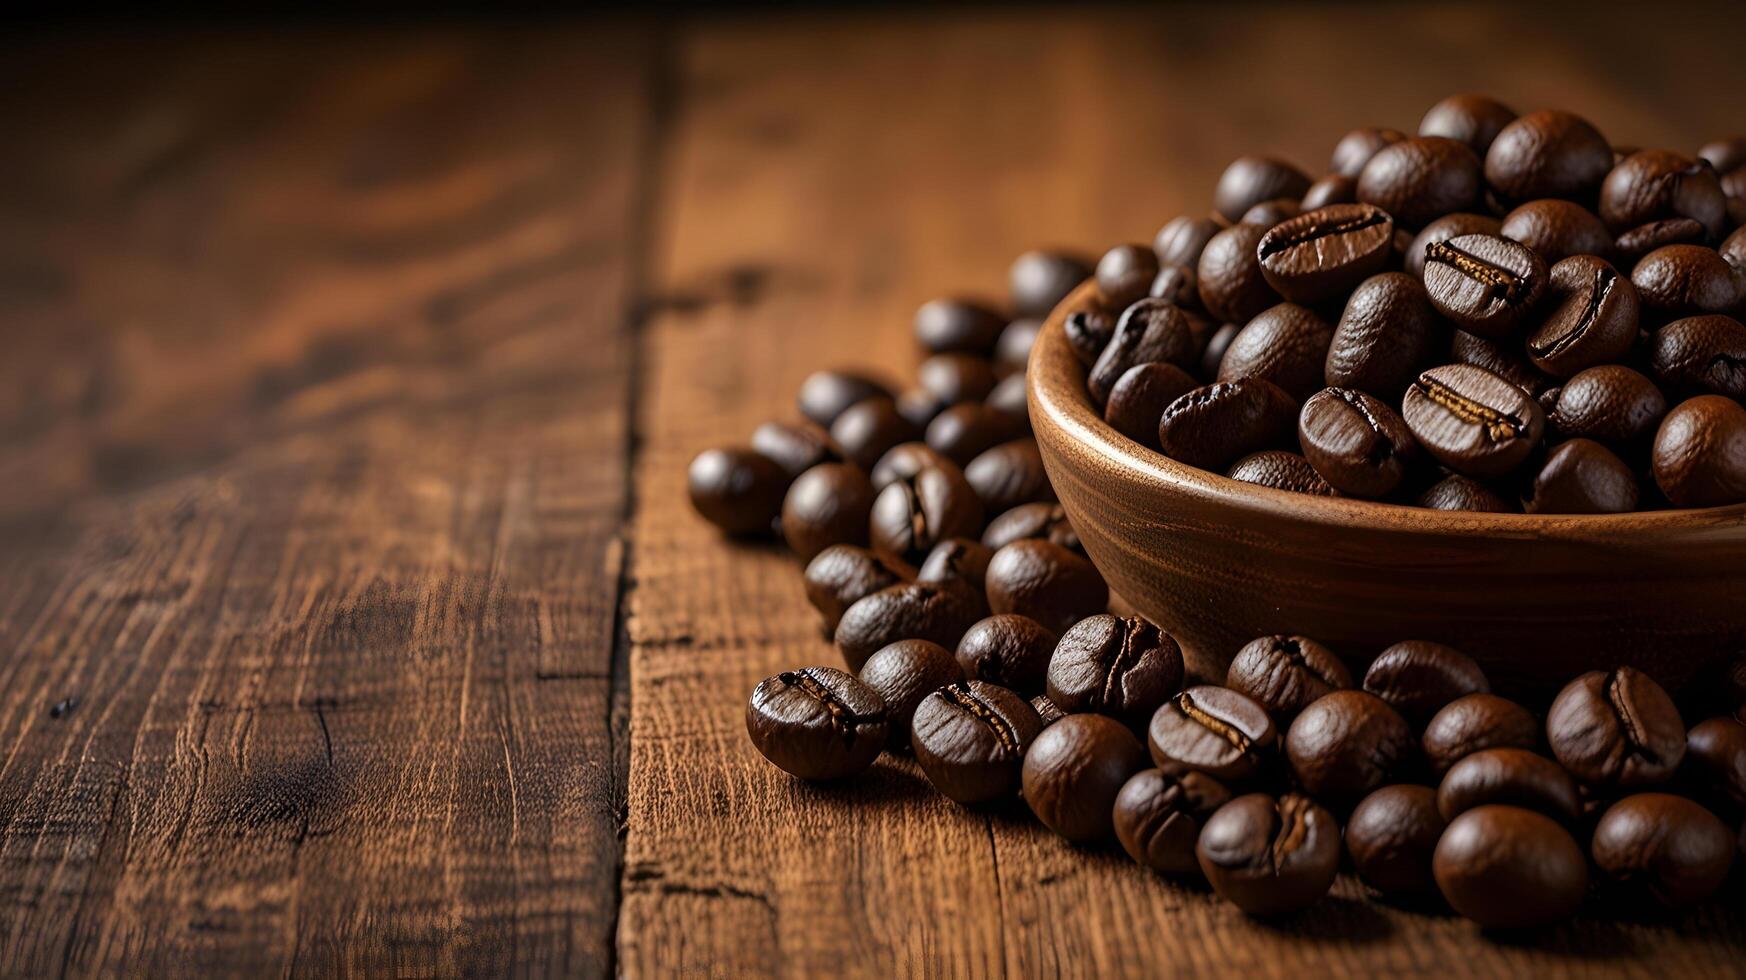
[315, 457]
[840, 173]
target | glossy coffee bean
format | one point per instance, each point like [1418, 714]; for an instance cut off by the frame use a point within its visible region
[1008, 475]
[1591, 317]
[1346, 744]
[1422, 179]
[1088, 333]
[1510, 868]
[1557, 229]
[1633, 244]
[1457, 492]
[1182, 239]
[1286, 344]
[1513, 776]
[1418, 677]
[1012, 351]
[970, 739]
[1150, 331]
[1047, 710]
[1285, 673]
[1270, 856]
[1701, 355]
[1611, 404]
[1725, 154]
[957, 560]
[1216, 346]
[1503, 357]
[1484, 284]
[1699, 455]
[817, 722]
[955, 378]
[1039, 280]
[1654, 185]
[1139, 397]
[1176, 284]
[1280, 470]
[1733, 248]
[1356, 442]
[844, 574]
[826, 505]
[1686, 280]
[1047, 522]
[1473, 723]
[1665, 845]
[903, 461]
[794, 446]
[904, 673]
[957, 325]
[1715, 758]
[1357, 147]
[1548, 154]
[1441, 230]
[1011, 399]
[1250, 180]
[1391, 836]
[1582, 476]
[1270, 213]
[938, 612]
[1332, 189]
[1471, 119]
[1471, 420]
[1616, 729]
[1324, 253]
[1124, 274]
[1009, 650]
[1046, 582]
[1387, 334]
[1158, 816]
[963, 432]
[1214, 730]
[866, 430]
[912, 515]
[918, 406]
[1121, 666]
[1213, 426]
[737, 490]
[824, 395]
[1074, 771]
[1232, 286]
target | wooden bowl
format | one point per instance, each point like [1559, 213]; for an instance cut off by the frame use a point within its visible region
[1535, 599]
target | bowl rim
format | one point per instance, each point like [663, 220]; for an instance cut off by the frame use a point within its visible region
[1055, 384]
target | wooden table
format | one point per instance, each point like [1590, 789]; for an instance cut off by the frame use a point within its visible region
[351, 615]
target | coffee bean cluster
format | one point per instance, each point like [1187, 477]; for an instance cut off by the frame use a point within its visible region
[1503, 313]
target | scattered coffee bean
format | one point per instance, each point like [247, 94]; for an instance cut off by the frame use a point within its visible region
[1324, 253]
[1286, 344]
[1611, 404]
[1046, 582]
[1158, 816]
[1182, 239]
[1418, 677]
[1088, 333]
[1008, 475]
[1332, 189]
[737, 490]
[1582, 477]
[1686, 280]
[1357, 147]
[1457, 492]
[1422, 179]
[1616, 729]
[1285, 673]
[1557, 229]
[1346, 744]
[1267, 856]
[1040, 280]
[1269, 213]
[938, 612]
[1471, 420]
[794, 446]
[1124, 274]
[1357, 443]
[1485, 284]
[963, 432]
[1701, 355]
[1666, 845]
[1121, 666]
[824, 395]
[1232, 287]
[1075, 769]
[1391, 837]
[1473, 723]
[918, 406]
[1654, 185]
[955, 378]
[970, 739]
[844, 574]
[826, 505]
[1250, 180]
[910, 516]
[1012, 351]
[1632, 245]
[957, 560]
[1010, 398]
[1700, 453]
[1281, 470]
[1214, 426]
[1471, 119]
[1214, 730]
[866, 430]
[1592, 318]
[817, 722]
[1510, 868]
[1715, 758]
[902, 674]
[1176, 284]
[1009, 650]
[1139, 397]
[1386, 335]
[903, 462]
[1444, 228]
[957, 325]
[1513, 776]
[1548, 154]
[1046, 522]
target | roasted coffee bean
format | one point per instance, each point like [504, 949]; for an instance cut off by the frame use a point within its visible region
[1654, 185]
[1725, 154]
[1075, 769]
[1346, 744]
[1158, 816]
[1734, 189]
[1357, 147]
[1047, 710]
[1012, 651]
[1471, 119]
[1592, 318]
[1700, 453]
[1513, 776]
[1666, 845]
[1444, 228]
[1457, 492]
[957, 326]
[955, 378]
[1557, 229]
[1176, 284]
[1012, 352]
[1232, 287]
[1150, 331]
[1502, 357]
[1046, 582]
[866, 430]
[1216, 346]
[1139, 397]
[826, 505]
[1324, 253]
[1286, 344]
[1088, 333]
[1010, 398]
[1250, 180]
[1387, 334]
[1182, 239]
[1686, 280]
[1391, 836]
[1008, 475]
[844, 574]
[963, 432]
[1510, 868]
[1285, 673]
[1611, 404]
[918, 406]
[904, 673]
[1281, 470]
[1701, 355]
[1484, 284]
[1046, 522]
[1356, 442]
[1121, 666]
[824, 395]
[794, 446]
[1582, 477]
[1124, 274]
[970, 739]
[1214, 730]
[1269, 213]
[1040, 280]
[903, 461]
[1471, 420]
[1715, 758]
[1422, 179]
[1733, 247]
[1548, 154]
[1632, 245]
[737, 490]
[1267, 856]
[1213, 426]
[1616, 729]
[1473, 723]
[910, 516]
[938, 612]
[1332, 189]
[957, 560]
[817, 722]
[1418, 677]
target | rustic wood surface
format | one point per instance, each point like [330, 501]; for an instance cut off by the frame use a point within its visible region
[352, 619]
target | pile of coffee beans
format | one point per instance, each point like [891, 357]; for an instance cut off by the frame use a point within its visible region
[1502, 313]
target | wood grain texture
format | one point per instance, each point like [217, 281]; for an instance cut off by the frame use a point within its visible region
[822, 181]
[313, 469]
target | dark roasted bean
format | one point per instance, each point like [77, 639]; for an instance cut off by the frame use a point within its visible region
[970, 738]
[963, 432]
[866, 430]
[1592, 318]
[1280, 470]
[1666, 845]
[1012, 352]
[1356, 442]
[1268, 856]
[1509, 775]
[1699, 455]
[1181, 240]
[737, 490]
[1346, 744]
[1616, 729]
[1472, 119]
[1325, 252]
[1557, 229]
[1121, 666]
[957, 325]
[1387, 334]
[1457, 492]
[1046, 582]
[1473, 723]
[1139, 397]
[826, 505]
[1654, 185]
[1124, 274]
[1510, 868]
[1075, 769]
[902, 674]
[1332, 189]
[1485, 284]
[1008, 475]
[1047, 522]
[1039, 280]
[1391, 836]
[1214, 426]
[844, 574]
[1582, 476]
[1286, 344]
[1418, 677]
[817, 722]
[1088, 333]
[1357, 147]
[1422, 179]
[794, 446]
[1158, 816]
[1701, 355]
[1473, 421]
[1250, 180]
[1009, 650]
[938, 612]
[1211, 729]
[1444, 228]
[1548, 154]
[1285, 673]
[1611, 404]
[1150, 331]
[957, 560]
[825, 394]
[1715, 758]
[1232, 287]
[1677, 281]
[910, 516]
